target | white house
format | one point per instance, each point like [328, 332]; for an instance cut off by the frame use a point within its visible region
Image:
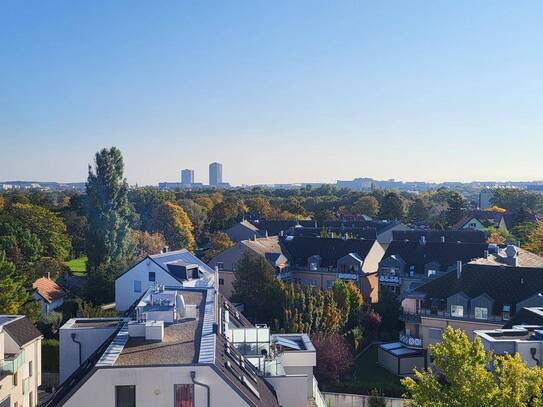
[48, 294]
[178, 268]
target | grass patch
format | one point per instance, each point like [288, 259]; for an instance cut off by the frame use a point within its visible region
[50, 355]
[78, 266]
[368, 375]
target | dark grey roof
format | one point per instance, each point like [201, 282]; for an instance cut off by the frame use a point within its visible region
[379, 225]
[299, 249]
[355, 232]
[505, 285]
[274, 227]
[22, 331]
[417, 255]
[464, 235]
[526, 316]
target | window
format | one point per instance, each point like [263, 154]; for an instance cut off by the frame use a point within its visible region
[152, 276]
[457, 311]
[183, 395]
[434, 334]
[30, 369]
[137, 286]
[220, 265]
[506, 313]
[15, 379]
[31, 399]
[221, 281]
[431, 273]
[125, 396]
[481, 313]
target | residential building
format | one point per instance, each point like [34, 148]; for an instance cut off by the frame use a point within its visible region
[187, 177]
[482, 220]
[383, 228]
[267, 247]
[472, 298]
[48, 294]
[178, 268]
[280, 227]
[243, 230]
[318, 262]
[215, 174]
[509, 255]
[20, 361]
[186, 347]
[407, 264]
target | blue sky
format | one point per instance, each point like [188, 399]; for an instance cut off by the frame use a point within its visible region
[290, 91]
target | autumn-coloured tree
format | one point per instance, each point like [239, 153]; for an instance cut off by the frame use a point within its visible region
[334, 357]
[145, 243]
[219, 242]
[534, 241]
[172, 222]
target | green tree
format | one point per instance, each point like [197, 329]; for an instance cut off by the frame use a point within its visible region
[457, 206]
[366, 205]
[259, 207]
[197, 215]
[172, 222]
[256, 286]
[465, 380]
[225, 214]
[12, 291]
[418, 211]
[392, 207]
[108, 210]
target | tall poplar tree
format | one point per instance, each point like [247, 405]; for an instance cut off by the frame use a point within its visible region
[108, 210]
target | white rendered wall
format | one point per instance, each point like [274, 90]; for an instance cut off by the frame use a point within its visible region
[125, 295]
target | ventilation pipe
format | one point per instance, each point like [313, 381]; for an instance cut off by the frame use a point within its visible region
[458, 269]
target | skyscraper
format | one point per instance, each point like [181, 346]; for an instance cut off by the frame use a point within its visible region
[215, 174]
[187, 177]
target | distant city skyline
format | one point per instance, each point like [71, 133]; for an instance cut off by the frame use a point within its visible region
[280, 92]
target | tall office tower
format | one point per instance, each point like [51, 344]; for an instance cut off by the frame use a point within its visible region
[187, 177]
[215, 174]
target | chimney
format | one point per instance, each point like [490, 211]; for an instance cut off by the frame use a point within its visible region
[442, 239]
[422, 240]
[486, 254]
[165, 249]
[254, 237]
[49, 275]
[458, 269]
[280, 233]
[266, 233]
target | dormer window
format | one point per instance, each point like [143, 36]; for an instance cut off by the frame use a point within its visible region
[481, 313]
[313, 266]
[506, 312]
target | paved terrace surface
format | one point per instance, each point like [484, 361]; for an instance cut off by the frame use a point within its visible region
[180, 345]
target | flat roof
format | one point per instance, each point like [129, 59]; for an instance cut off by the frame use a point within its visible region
[181, 341]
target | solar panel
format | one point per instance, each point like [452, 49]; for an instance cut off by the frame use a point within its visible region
[288, 343]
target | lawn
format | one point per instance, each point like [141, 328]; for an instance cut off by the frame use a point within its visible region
[78, 266]
[369, 375]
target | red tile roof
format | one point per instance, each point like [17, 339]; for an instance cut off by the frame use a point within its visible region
[48, 289]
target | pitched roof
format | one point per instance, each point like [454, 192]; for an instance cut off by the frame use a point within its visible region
[356, 232]
[463, 235]
[274, 227]
[505, 285]
[524, 258]
[264, 245]
[48, 289]
[227, 363]
[21, 330]
[162, 259]
[380, 226]
[446, 254]
[299, 249]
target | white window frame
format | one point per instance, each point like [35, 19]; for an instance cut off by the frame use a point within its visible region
[482, 311]
[457, 311]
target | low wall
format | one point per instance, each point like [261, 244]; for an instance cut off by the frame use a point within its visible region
[356, 400]
[49, 379]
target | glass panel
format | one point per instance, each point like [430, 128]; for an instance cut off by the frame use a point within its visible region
[481, 313]
[250, 335]
[457, 310]
[239, 335]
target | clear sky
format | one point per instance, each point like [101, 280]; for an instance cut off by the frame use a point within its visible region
[278, 91]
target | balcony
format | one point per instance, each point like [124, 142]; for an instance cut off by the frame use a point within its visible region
[442, 314]
[411, 341]
[12, 362]
[387, 279]
[348, 276]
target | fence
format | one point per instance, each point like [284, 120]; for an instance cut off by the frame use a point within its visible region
[356, 400]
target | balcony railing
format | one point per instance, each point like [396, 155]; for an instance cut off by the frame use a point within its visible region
[317, 395]
[12, 363]
[411, 341]
[409, 316]
[390, 280]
